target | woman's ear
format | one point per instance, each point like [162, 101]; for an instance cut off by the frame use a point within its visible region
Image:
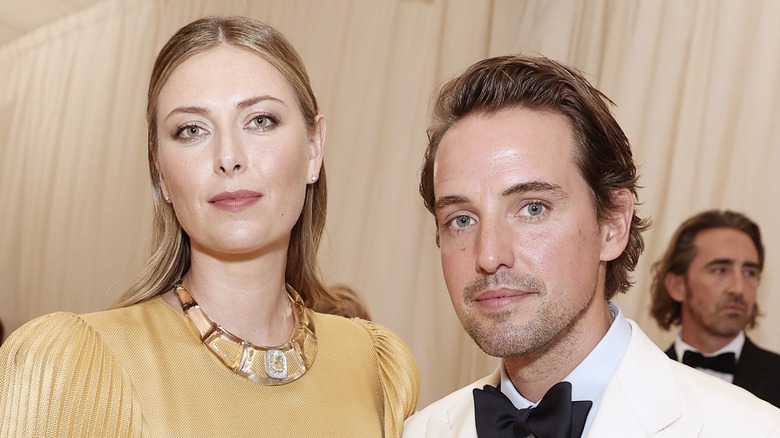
[317, 145]
[163, 186]
[616, 229]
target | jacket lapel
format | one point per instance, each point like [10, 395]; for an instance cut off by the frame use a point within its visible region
[460, 415]
[690, 428]
[751, 369]
[641, 398]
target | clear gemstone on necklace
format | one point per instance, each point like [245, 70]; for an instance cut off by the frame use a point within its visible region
[276, 363]
[265, 365]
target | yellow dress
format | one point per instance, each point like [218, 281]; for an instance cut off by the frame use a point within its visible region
[141, 371]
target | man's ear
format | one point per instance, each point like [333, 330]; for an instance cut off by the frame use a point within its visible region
[675, 286]
[317, 144]
[616, 229]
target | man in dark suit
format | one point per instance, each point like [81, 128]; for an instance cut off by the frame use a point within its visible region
[707, 284]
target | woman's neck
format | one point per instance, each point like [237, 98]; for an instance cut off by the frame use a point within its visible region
[245, 295]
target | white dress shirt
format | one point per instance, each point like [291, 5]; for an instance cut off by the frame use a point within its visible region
[589, 379]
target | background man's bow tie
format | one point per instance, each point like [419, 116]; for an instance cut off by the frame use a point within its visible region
[724, 363]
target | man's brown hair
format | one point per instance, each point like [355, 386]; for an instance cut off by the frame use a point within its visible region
[603, 153]
[681, 252]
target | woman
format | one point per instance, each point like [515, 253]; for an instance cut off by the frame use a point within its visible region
[235, 154]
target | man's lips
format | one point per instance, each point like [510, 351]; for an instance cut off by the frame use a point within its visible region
[735, 308]
[497, 298]
[235, 201]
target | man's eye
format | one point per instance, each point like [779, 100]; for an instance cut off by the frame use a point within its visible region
[462, 221]
[534, 208]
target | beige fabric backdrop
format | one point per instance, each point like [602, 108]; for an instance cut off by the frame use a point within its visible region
[696, 83]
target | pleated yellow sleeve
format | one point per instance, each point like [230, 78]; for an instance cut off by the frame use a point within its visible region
[59, 379]
[398, 374]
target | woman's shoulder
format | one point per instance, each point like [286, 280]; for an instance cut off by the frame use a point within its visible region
[55, 368]
[62, 330]
[47, 331]
[63, 334]
[394, 356]
[130, 317]
[381, 338]
[385, 340]
[397, 369]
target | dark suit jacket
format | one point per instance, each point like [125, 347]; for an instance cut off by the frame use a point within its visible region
[758, 371]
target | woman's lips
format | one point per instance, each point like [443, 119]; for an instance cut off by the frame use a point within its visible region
[235, 201]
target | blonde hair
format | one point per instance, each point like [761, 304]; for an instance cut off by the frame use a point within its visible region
[170, 255]
[349, 303]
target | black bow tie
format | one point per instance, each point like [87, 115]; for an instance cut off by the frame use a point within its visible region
[556, 416]
[724, 363]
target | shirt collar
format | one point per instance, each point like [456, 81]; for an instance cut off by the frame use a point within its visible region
[590, 378]
[735, 346]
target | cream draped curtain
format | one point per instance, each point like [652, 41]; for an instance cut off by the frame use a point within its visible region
[696, 83]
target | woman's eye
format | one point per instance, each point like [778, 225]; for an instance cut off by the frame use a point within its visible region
[189, 131]
[263, 122]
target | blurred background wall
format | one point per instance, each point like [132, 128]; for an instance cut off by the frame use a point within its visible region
[696, 83]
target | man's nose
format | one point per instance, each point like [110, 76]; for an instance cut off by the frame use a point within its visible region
[736, 282]
[495, 247]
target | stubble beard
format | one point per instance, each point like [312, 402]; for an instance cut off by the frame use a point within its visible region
[724, 327]
[497, 335]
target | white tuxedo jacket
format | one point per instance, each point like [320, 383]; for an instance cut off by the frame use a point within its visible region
[649, 395]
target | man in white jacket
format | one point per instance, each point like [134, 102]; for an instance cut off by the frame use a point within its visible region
[532, 185]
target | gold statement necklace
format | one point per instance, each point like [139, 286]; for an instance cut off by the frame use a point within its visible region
[266, 365]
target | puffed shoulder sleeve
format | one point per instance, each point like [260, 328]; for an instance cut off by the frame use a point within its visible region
[58, 378]
[399, 376]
